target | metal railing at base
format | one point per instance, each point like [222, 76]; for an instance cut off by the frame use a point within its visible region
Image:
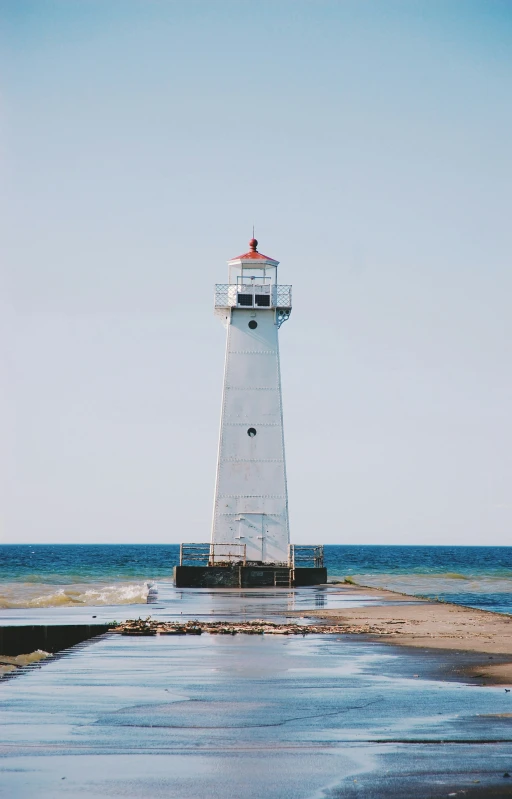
[305, 556]
[219, 554]
[213, 554]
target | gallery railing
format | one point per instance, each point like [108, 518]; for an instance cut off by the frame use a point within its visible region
[249, 295]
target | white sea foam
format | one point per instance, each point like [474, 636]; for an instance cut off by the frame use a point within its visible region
[32, 657]
[29, 595]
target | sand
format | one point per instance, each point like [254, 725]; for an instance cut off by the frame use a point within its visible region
[412, 622]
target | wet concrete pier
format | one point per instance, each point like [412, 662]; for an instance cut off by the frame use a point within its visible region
[248, 716]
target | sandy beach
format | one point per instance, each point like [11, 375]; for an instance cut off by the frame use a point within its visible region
[412, 622]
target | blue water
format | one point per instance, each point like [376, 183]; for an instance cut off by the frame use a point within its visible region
[91, 574]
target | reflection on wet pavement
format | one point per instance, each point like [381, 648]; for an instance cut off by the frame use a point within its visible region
[247, 716]
[172, 603]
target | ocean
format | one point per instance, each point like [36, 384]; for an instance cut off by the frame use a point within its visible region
[52, 575]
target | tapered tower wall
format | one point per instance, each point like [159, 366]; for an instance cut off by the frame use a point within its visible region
[251, 503]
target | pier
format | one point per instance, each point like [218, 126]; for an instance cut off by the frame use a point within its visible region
[228, 716]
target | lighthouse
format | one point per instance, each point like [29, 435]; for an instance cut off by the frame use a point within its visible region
[251, 498]
[250, 538]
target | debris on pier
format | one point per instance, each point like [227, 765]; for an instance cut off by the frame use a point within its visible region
[150, 626]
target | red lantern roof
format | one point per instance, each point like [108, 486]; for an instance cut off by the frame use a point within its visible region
[254, 255]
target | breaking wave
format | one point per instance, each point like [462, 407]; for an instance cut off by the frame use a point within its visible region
[28, 595]
[32, 657]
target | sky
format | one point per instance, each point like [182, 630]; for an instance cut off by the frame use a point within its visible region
[369, 144]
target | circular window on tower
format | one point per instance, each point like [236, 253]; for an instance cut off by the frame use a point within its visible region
[251, 432]
[253, 324]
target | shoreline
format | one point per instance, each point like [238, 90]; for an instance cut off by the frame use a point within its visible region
[442, 627]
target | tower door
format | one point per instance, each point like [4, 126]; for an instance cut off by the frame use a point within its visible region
[251, 532]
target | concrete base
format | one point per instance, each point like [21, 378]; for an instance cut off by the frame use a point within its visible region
[245, 576]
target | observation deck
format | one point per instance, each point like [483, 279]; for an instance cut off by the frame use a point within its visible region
[254, 294]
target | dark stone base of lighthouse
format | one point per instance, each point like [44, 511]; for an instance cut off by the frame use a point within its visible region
[236, 576]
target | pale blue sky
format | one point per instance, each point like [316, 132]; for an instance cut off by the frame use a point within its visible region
[370, 144]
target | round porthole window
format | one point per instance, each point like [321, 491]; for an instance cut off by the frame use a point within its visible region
[251, 432]
[253, 324]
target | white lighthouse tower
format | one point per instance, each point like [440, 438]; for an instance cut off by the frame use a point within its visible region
[251, 500]
[250, 540]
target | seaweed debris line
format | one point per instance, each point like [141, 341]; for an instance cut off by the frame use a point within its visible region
[150, 626]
